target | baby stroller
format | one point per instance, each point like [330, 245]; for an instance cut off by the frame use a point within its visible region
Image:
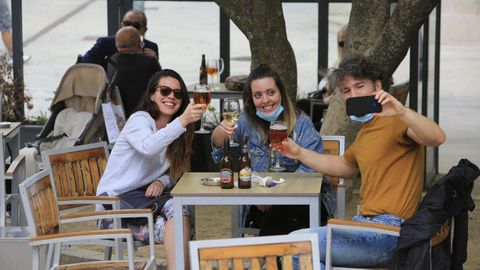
[76, 115]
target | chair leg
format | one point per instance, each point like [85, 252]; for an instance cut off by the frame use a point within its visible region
[107, 255]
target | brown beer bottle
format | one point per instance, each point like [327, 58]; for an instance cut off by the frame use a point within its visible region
[226, 168]
[203, 72]
[244, 167]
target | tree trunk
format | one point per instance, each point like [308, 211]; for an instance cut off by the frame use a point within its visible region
[263, 24]
[372, 32]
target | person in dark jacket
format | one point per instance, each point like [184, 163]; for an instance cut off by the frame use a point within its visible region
[105, 47]
[449, 197]
[133, 69]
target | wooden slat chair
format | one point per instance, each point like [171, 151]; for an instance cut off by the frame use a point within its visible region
[253, 252]
[75, 173]
[439, 237]
[15, 174]
[335, 145]
[44, 221]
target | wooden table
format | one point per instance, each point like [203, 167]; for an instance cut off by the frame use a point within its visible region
[298, 189]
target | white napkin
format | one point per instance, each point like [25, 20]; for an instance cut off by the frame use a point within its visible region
[268, 181]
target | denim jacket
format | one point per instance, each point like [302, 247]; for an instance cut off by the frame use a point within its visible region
[304, 134]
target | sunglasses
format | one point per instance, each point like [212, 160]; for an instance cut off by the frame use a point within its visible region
[341, 44]
[165, 91]
[136, 25]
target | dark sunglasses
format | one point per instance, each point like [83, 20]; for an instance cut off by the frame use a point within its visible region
[165, 91]
[341, 44]
[137, 25]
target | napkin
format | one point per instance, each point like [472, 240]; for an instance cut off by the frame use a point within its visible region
[268, 181]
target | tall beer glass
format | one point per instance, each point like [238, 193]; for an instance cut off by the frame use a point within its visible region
[277, 134]
[202, 95]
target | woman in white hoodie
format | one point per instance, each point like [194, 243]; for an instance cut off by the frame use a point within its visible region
[152, 152]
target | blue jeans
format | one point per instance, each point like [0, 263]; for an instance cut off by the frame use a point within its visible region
[358, 248]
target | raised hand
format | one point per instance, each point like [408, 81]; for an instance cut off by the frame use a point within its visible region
[192, 113]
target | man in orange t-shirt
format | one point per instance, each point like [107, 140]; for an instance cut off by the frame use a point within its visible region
[388, 152]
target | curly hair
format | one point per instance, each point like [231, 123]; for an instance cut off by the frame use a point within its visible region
[180, 150]
[356, 65]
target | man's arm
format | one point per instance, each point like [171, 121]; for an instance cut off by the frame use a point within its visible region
[420, 129]
[97, 54]
[327, 164]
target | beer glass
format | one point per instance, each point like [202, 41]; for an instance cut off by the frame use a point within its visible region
[231, 113]
[277, 134]
[214, 69]
[202, 95]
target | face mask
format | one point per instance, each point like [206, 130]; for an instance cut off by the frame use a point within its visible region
[362, 119]
[272, 116]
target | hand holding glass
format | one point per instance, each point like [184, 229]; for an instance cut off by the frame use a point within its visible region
[231, 113]
[277, 134]
[202, 95]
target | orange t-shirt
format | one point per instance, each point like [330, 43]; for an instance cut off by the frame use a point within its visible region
[391, 167]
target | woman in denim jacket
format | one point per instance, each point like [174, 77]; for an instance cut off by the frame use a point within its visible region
[266, 100]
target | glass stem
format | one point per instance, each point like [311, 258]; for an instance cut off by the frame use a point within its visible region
[201, 122]
[277, 160]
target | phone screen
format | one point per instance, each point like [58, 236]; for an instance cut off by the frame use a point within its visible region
[359, 106]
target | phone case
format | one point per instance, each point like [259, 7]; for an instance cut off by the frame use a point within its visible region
[359, 106]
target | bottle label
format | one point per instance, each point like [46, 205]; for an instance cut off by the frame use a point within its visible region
[226, 176]
[245, 174]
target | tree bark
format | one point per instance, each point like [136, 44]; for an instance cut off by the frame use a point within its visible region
[263, 24]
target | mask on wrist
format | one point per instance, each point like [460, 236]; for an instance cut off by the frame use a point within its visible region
[362, 119]
[272, 116]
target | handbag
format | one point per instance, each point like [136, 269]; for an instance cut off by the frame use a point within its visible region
[135, 199]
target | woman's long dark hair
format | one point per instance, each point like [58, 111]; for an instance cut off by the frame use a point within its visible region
[180, 150]
[288, 115]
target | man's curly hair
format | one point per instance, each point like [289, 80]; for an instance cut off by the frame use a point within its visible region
[356, 65]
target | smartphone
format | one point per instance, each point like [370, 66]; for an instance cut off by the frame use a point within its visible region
[359, 106]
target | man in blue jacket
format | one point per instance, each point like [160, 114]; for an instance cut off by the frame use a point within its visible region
[105, 47]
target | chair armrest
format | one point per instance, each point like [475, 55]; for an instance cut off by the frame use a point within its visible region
[86, 216]
[88, 200]
[80, 236]
[364, 226]
[16, 164]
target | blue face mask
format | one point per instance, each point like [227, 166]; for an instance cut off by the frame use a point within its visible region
[272, 116]
[362, 119]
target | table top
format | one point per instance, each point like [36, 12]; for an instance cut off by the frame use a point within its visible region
[7, 130]
[296, 185]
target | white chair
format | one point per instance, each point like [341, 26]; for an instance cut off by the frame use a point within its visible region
[44, 221]
[335, 145]
[254, 251]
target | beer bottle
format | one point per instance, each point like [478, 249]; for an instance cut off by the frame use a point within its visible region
[203, 72]
[244, 167]
[226, 168]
